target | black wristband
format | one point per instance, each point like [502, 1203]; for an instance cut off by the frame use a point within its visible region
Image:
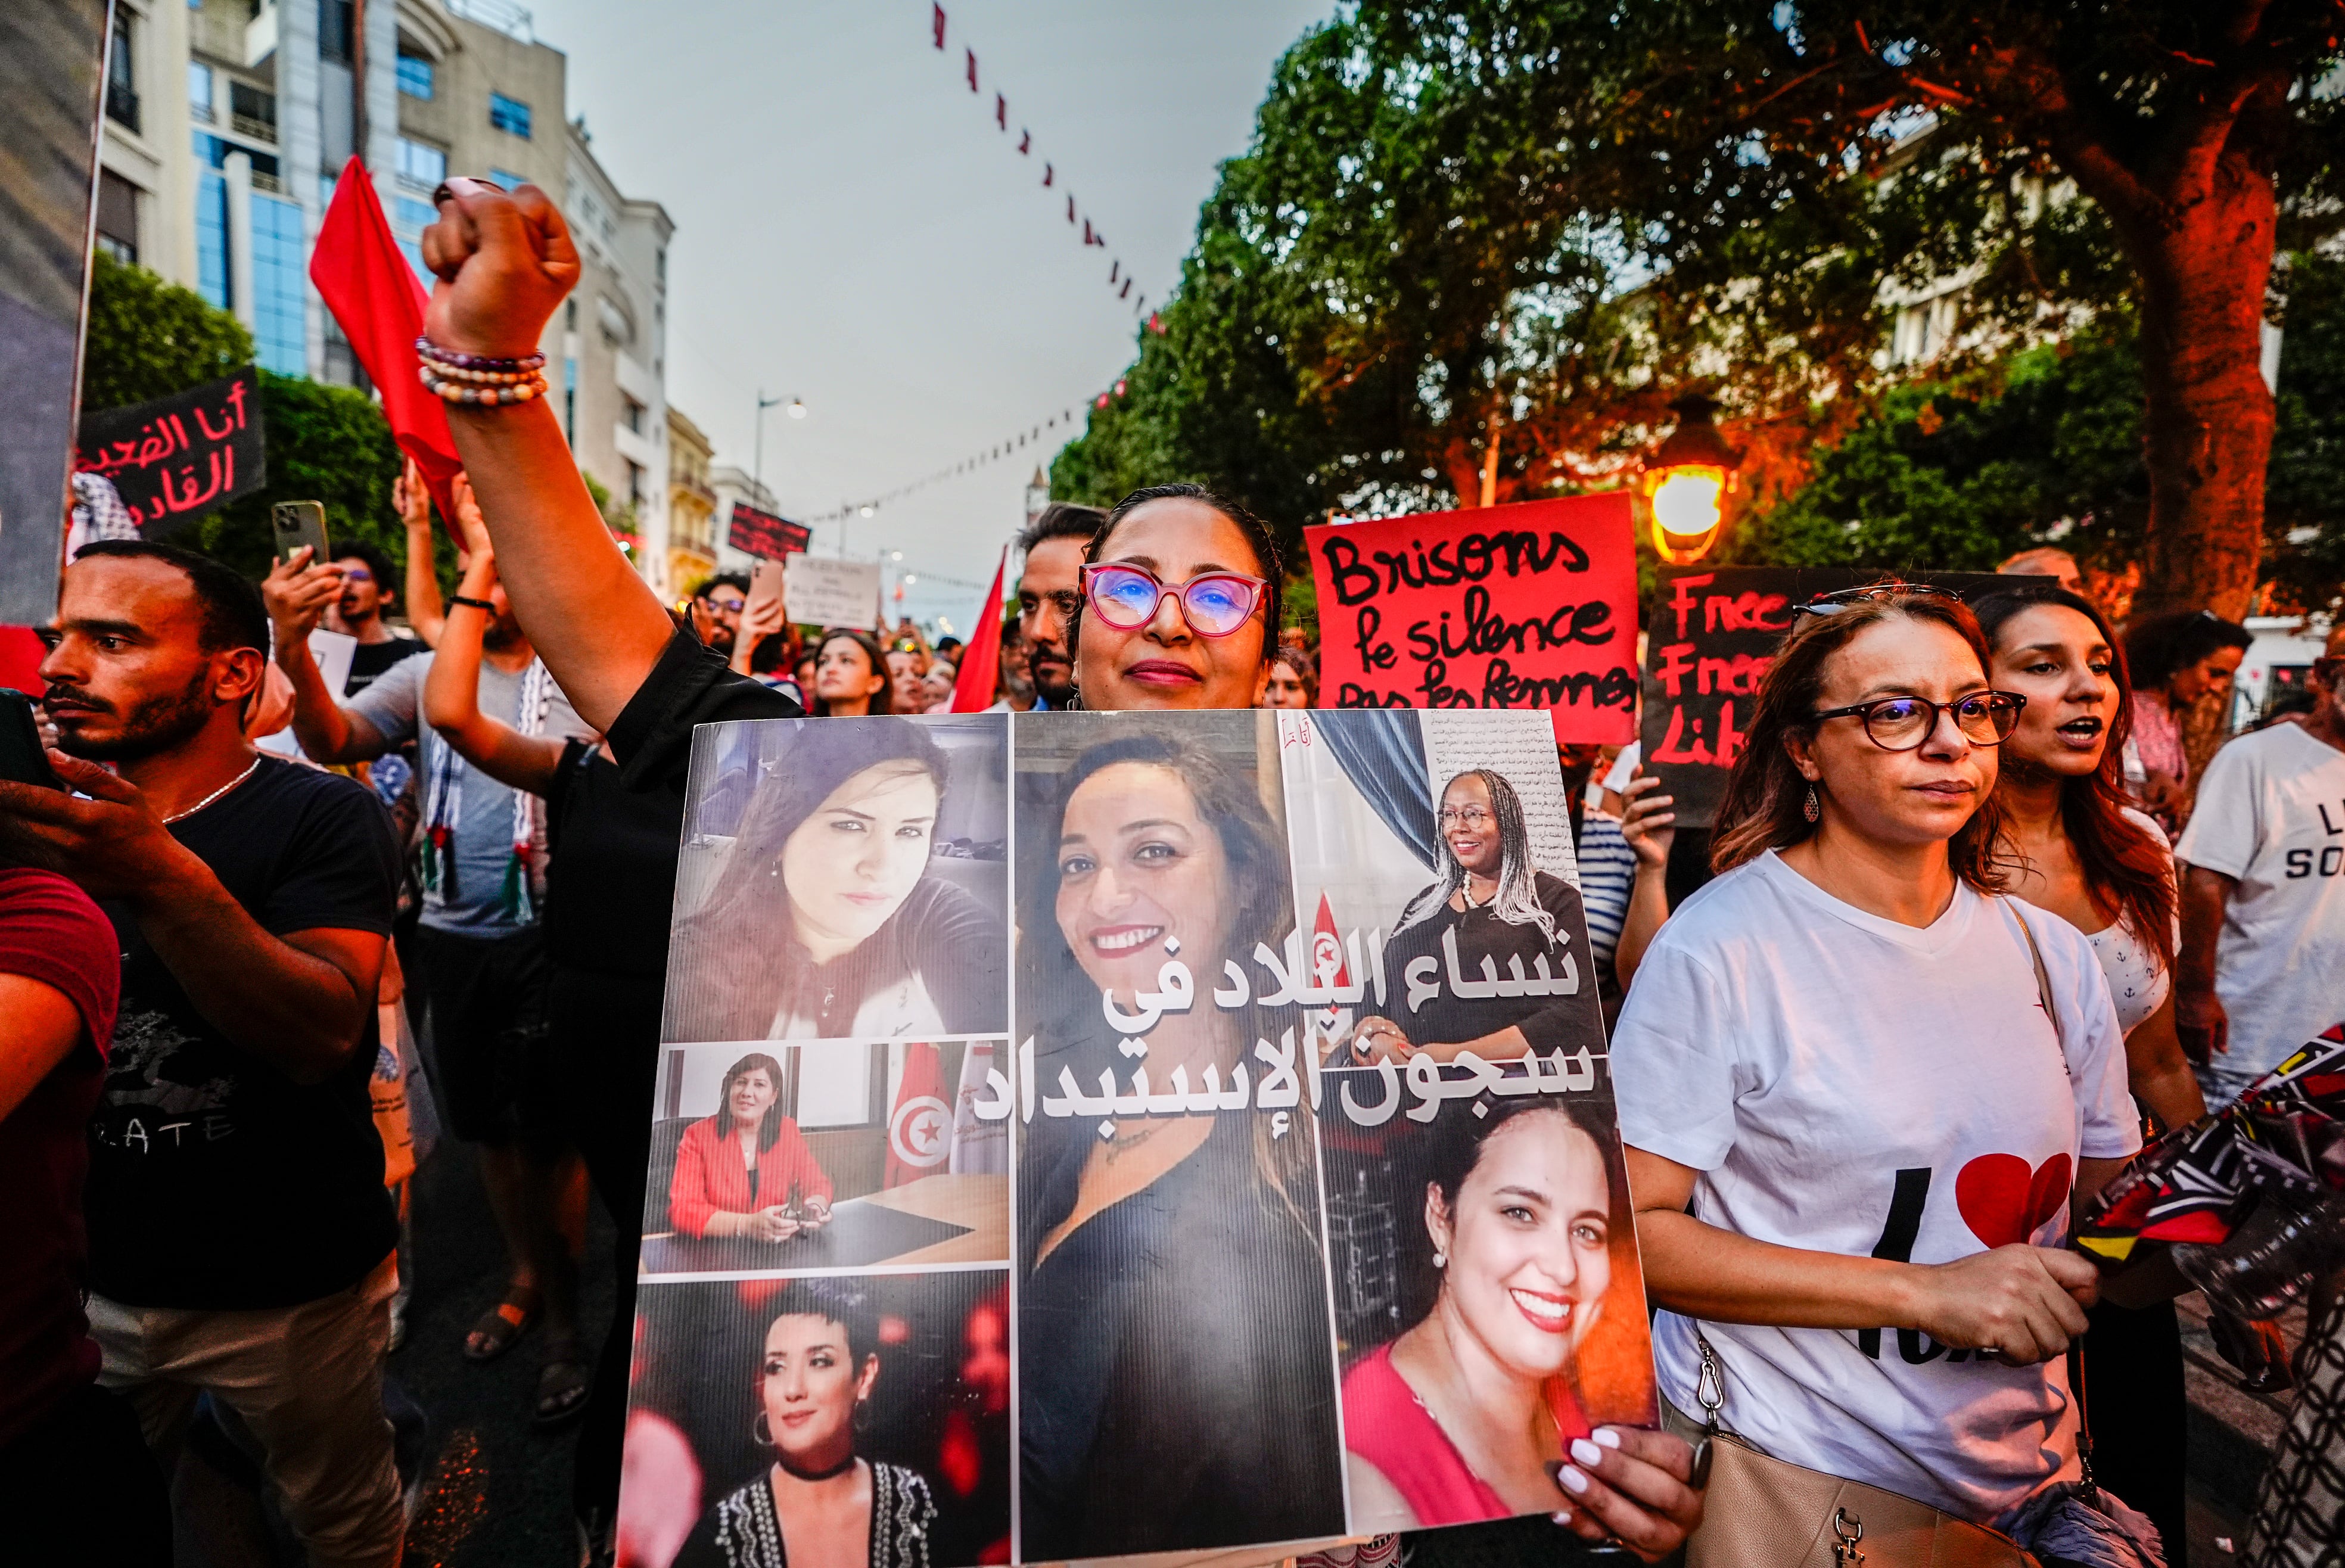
[475, 603]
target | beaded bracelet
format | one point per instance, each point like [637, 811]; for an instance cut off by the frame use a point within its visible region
[484, 378]
[490, 397]
[447, 359]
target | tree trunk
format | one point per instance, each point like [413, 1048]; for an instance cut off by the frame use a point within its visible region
[2204, 262]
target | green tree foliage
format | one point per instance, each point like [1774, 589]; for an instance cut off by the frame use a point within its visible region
[148, 339]
[1479, 226]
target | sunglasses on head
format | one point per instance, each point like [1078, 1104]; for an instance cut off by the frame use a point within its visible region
[1213, 603]
[1839, 599]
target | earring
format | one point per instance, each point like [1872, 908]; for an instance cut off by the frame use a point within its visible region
[1441, 1259]
[1814, 808]
[761, 1431]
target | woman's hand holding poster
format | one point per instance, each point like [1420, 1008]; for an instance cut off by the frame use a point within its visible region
[1526, 606]
[1309, 1219]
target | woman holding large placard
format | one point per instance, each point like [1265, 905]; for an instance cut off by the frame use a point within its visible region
[1860, 1094]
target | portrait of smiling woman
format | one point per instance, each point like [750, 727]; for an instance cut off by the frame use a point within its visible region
[832, 915]
[1150, 846]
[1522, 1248]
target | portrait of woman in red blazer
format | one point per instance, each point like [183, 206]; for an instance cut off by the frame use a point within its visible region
[744, 1171]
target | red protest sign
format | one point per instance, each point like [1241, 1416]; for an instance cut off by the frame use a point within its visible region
[1526, 606]
[179, 458]
[764, 534]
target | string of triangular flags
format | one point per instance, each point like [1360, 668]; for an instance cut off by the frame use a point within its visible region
[1119, 276]
[1012, 446]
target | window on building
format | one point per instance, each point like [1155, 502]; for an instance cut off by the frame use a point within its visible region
[121, 84]
[509, 114]
[421, 165]
[635, 484]
[117, 216]
[634, 415]
[200, 91]
[659, 265]
[412, 214]
[414, 74]
[280, 308]
[252, 111]
[335, 31]
[507, 178]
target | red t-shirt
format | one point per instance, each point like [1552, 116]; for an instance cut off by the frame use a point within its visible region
[50, 931]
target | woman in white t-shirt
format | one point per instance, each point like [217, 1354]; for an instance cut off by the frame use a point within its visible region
[1854, 1134]
[2073, 846]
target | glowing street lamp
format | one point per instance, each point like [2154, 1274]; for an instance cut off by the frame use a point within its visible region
[1686, 481]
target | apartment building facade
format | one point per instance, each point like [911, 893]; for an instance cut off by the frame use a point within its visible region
[227, 122]
[691, 505]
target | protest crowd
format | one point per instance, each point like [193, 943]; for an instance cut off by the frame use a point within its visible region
[1978, 809]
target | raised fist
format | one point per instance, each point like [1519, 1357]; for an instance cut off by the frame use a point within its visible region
[503, 261]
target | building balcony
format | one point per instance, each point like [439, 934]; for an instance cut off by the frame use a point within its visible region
[260, 130]
[122, 106]
[267, 182]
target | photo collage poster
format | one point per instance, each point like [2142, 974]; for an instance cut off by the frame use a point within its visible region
[1124, 1133]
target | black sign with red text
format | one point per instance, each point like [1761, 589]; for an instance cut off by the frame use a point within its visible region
[1710, 633]
[179, 458]
[765, 536]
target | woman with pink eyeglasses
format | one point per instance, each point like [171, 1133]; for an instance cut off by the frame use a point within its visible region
[1179, 590]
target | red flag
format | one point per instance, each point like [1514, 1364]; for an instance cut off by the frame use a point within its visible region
[1001, 111]
[366, 282]
[939, 25]
[981, 661]
[1327, 967]
[919, 1129]
[973, 69]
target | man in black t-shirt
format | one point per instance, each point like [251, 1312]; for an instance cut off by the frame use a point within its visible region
[241, 1237]
[367, 593]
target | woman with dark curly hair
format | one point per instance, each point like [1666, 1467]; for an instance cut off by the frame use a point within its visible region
[834, 1508]
[1526, 1245]
[826, 922]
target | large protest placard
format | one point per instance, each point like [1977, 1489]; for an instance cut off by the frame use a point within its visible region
[1524, 606]
[765, 534]
[821, 592]
[1710, 633]
[180, 457]
[1106, 1126]
[52, 56]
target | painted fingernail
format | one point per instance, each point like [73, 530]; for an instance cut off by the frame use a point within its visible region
[1585, 1451]
[1571, 1478]
[1608, 1437]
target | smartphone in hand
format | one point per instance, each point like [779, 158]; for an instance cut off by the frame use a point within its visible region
[21, 760]
[300, 522]
[764, 585]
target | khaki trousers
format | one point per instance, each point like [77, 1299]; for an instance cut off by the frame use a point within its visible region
[307, 1380]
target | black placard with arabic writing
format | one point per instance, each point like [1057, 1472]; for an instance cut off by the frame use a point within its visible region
[179, 458]
[1710, 633]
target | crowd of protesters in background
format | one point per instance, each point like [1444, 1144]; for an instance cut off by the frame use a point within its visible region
[1982, 813]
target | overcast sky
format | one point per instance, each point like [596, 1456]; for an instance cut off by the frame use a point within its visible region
[852, 229]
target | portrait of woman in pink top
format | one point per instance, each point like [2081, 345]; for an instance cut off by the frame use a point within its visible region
[1470, 1412]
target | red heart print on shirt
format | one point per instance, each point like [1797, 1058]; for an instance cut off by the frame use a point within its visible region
[2003, 1201]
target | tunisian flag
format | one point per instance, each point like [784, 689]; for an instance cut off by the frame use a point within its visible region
[366, 282]
[981, 662]
[919, 1129]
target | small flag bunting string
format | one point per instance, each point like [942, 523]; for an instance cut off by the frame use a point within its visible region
[1118, 274]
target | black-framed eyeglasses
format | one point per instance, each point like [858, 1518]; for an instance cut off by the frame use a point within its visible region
[1904, 723]
[1839, 599]
[1214, 604]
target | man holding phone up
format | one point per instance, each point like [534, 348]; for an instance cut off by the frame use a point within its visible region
[240, 1236]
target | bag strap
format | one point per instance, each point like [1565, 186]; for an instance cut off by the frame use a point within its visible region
[2076, 1347]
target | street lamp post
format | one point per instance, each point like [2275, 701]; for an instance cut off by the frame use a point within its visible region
[796, 412]
[1686, 481]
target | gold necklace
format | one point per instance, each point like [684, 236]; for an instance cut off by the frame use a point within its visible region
[208, 800]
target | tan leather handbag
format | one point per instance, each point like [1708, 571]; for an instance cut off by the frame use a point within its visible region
[1761, 1511]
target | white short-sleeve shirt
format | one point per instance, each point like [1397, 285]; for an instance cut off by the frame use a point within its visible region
[2271, 815]
[1846, 1084]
